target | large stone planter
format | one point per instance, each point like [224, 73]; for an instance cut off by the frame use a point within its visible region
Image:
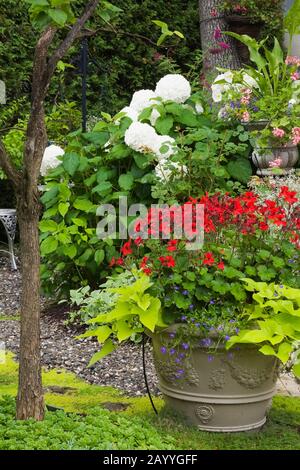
[262, 157]
[226, 391]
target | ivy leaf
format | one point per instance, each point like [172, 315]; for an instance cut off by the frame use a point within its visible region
[123, 330]
[284, 352]
[107, 348]
[296, 369]
[267, 350]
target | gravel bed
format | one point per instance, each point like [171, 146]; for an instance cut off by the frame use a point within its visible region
[122, 369]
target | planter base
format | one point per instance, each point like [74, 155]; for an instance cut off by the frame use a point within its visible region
[221, 417]
[217, 391]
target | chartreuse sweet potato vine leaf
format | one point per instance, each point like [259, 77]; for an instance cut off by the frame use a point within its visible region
[274, 320]
[135, 310]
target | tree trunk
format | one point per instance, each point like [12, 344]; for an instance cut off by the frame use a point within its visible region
[30, 402]
[219, 49]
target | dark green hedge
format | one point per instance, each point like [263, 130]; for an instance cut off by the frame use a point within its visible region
[119, 63]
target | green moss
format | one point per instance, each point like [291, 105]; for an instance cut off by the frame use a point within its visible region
[135, 428]
[78, 396]
[10, 317]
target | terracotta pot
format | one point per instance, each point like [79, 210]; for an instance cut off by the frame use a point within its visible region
[243, 25]
[229, 393]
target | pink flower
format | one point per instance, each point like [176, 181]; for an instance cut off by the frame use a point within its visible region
[213, 12]
[292, 60]
[246, 116]
[223, 45]
[246, 92]
[217, 33]
[277, 132]
[275, 163]
[295, 76]
[296, 135]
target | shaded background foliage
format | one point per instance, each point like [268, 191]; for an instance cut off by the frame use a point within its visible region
[119, 61]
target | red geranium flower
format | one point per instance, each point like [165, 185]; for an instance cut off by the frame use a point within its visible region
[172, 245]
[221, 265]
[167, 261]
[208, 259]
[126, 248]
[288, 196]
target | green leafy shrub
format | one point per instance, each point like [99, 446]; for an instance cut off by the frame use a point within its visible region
[61, 120]
[99, 167]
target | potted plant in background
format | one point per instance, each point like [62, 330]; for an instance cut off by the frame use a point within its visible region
[265, 98]
[250, 18]
[216, 351]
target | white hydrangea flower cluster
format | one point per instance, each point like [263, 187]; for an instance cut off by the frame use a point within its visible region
[50, 160]
[142, 137]
[225, 82]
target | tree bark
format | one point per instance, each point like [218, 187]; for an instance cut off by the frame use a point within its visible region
[30, 402]
[218, 51]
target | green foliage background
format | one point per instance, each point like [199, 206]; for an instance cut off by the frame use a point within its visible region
[119, 63]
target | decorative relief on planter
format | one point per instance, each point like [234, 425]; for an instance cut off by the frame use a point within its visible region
[205, 413]
[216, 379]
[248, 377]
[168, 370]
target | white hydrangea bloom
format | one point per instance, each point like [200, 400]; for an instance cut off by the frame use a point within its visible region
[128, 112]
[50, 160]
[250, 81]
[141, 137]
[142, 99]
[164, 170]
[173, 87]
[199, 108]
[165, 140]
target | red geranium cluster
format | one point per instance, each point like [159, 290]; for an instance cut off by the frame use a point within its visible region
[244, 215]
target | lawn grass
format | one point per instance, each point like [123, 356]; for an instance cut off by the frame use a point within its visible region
[85, 423]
